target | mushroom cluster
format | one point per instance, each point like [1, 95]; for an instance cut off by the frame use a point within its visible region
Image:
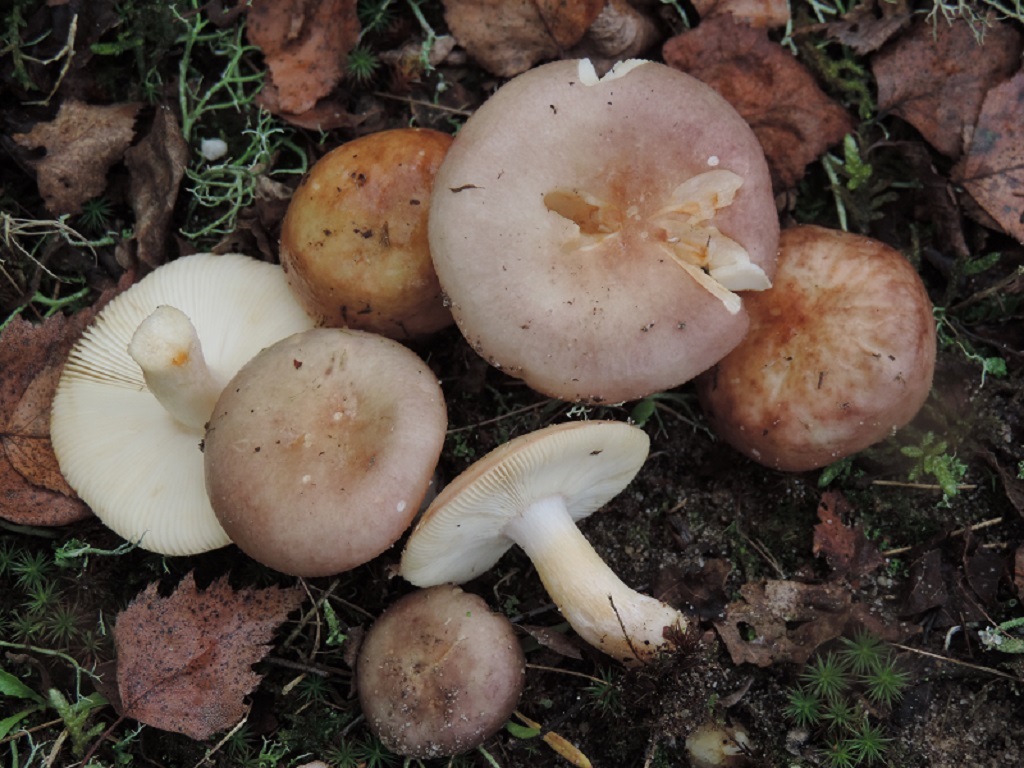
[592, 233]
[128, 415]
[839, 355]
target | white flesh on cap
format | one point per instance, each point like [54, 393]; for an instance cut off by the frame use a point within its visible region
[530, 492]
[591, 233]
[138, 468]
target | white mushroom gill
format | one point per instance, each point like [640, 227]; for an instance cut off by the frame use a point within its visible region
[167, 349]
[602, 610]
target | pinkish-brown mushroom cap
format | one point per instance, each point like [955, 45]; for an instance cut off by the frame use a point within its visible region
[590, 232]
[839, 355]
[320, 450]
[439, 673]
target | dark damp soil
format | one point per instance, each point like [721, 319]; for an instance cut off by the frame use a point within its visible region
[700, 526]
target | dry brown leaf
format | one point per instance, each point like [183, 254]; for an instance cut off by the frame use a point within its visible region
[847, 550]
[507, 37]
[755, 13]
[993, 169]
[155, 167]
[32, 489]
[870, 24]
[81, 144]
[936, 78]
[791, 619]
[305, 44]
[793, 119]
[184, 662]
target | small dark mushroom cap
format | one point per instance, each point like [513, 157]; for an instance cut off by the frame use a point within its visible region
[321, 448]
[439, 673]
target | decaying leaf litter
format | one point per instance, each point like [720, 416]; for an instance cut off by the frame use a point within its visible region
[887, 118]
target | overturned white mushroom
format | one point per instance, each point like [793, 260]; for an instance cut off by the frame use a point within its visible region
[530, 492]
[138, 387]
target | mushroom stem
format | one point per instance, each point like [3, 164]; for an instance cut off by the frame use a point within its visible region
[167, 349]
[604, 612]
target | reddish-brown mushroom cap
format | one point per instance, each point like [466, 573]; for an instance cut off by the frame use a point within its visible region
[354, 238]
[439, 673]
[590, 233]
[320, 450]
[839, 355]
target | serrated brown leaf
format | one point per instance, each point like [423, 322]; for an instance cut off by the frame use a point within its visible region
[32, 489]
[305, 44]
[935, 77]
[793, 119]
[992, 171]
[81, 144]
[789, 620]
[846, 548]
[184, 662]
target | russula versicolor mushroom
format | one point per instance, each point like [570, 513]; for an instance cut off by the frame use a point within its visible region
[438, 673]
[591, 234]
[320, 449]
[137, 388]
[839, 355]
[354, 238]
[531, 491]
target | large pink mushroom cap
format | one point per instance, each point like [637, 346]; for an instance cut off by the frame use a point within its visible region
[591, 233]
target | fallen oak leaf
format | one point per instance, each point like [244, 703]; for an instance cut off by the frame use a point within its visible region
[81, 144]
[32, 489]
[184, 662]
[992, 171]
[785, 621]
[790, 115]
[846, 549]
[935, 77]
[305, 44]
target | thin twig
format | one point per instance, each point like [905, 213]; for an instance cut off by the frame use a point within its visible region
[569, 672]
[920, 486]
[958, 532]
[422, 103]
[967, 664]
